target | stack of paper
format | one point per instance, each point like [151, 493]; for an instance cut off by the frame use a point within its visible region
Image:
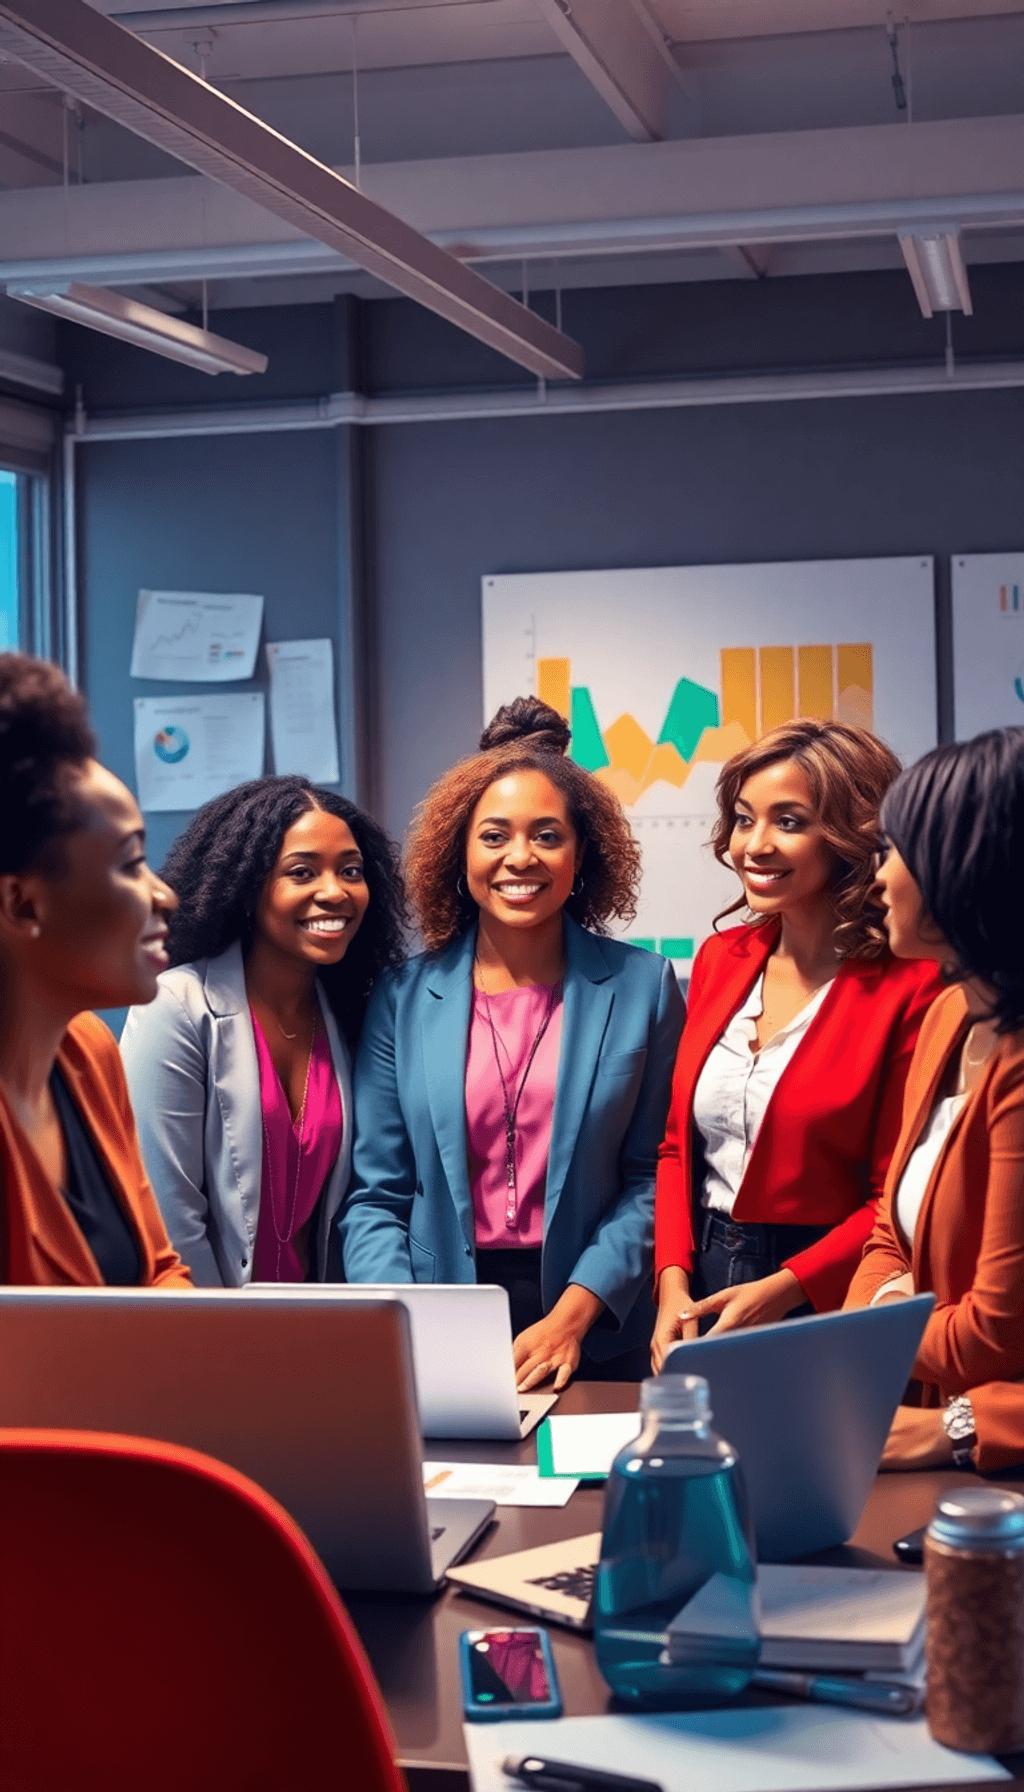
[584, 1444]
[841, 1620]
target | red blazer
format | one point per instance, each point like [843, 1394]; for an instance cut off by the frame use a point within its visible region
[831, 1126]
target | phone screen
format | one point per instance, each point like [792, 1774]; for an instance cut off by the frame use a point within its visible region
[506, 1667]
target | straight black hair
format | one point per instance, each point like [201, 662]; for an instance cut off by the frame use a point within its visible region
[956, 818]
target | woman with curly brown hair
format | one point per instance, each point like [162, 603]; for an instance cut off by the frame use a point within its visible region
[788, 1089]
[512, 1082]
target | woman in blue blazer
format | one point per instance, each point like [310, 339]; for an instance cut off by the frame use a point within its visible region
[513, 1081]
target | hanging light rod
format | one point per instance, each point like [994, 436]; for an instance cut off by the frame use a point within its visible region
[131, 321]
[82, 53]
[262, 12]
[936, 266]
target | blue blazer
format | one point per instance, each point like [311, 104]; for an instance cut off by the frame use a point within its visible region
[408, 1215]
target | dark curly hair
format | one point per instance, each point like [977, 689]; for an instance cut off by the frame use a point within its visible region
[956, 818]
[849, 771]
[219, 865]
[44, 727]
[526, 735]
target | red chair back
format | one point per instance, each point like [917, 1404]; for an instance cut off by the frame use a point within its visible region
[163, 1623]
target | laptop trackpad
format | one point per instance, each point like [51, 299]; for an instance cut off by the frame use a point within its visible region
[454, 1526]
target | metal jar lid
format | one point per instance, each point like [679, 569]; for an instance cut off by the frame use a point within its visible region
[979, 1518]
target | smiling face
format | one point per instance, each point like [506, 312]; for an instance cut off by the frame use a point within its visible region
[90, 920]
[776, 845]
[314, 899]
[522, 852]
[908, 928]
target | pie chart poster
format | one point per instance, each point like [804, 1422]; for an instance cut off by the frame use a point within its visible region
[988, 642]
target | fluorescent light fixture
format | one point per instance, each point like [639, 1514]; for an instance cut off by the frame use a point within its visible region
[129, 321]
[936, 267]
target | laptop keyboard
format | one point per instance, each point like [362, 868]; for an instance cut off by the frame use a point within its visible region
[572, 1583]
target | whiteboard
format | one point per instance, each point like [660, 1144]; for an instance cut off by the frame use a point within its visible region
[665, 672]
[988, 642]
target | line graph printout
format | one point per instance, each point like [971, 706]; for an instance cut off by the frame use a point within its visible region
[201, 637]
[664, 673]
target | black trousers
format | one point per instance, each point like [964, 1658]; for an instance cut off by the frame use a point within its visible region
[731, 1252]
[518, 1272]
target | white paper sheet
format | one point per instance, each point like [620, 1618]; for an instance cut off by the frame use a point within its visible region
[303, 728]
[189, 749]
[506, 1484]
[203, 637]
[779, 1748]
[585, 1443]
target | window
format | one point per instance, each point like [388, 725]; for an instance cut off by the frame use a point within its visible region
[11, 629]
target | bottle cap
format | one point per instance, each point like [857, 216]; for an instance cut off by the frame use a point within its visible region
[682, 1399]
[979, 1517]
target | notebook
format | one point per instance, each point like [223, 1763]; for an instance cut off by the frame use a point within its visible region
[841, 1620]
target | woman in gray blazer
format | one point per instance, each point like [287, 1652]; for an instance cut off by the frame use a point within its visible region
[291, 904]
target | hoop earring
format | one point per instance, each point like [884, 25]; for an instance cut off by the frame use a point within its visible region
[460, 887]
[577, 886]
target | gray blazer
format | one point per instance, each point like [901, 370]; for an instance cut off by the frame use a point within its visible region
[190, 1059]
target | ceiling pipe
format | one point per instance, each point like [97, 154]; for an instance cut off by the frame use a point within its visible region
[82, 53]
[262, 12]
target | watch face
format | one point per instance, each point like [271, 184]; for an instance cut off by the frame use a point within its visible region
[958, 1424]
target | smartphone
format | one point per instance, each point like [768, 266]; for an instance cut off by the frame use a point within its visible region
[508, 1673]
[911, 1547]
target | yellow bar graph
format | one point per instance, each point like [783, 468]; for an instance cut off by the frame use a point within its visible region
[855, 683]
[777, 694]
[739, 689]
[553, 679]
[814, 672]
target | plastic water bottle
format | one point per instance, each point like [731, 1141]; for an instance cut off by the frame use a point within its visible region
[676, 1614]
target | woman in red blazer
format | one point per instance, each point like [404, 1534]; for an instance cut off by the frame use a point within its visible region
[788, 1087]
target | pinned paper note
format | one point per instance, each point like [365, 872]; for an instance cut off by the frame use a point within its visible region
[190, 749]
[196, 637]
[303, 727]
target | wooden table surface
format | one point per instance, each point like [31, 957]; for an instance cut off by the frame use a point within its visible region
[413, 1642]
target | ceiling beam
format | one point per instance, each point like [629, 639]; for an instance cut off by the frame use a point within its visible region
[624, 56]
[80, 52]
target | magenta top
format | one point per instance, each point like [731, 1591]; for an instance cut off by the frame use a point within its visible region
[286, 1205]
[501, 1219]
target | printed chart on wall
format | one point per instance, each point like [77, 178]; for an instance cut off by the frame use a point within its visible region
[665, 673]
[988, 642]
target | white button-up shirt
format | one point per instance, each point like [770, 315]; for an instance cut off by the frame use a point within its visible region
[734, 1089]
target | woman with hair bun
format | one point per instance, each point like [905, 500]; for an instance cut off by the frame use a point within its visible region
[788, 1089]
[291, 904]
[512, 1081]
[83, 921]
[952, 1223]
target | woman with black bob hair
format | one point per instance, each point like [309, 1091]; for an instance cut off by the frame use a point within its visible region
[952, 1222]
[291, 904]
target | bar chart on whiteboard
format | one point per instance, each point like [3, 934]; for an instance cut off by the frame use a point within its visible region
[664, 673]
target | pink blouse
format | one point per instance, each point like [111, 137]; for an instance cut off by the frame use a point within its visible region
[290, 1188]
[500, 1218]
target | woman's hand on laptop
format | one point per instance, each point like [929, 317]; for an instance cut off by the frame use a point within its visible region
[552, 1346]
[677, 1320]
[917, 1439]
[751, 1303]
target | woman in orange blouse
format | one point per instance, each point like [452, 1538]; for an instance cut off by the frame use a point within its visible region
[952, 1222]
[81, 926]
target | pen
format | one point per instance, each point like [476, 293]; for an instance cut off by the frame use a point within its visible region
[561, 1776]
[890, 1700]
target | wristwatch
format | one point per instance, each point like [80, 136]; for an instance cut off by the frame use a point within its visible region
[958, 1424]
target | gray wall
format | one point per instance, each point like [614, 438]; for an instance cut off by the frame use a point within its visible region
[423, 512]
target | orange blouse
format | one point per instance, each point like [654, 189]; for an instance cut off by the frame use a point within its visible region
[968, 1245]
[40, 1241]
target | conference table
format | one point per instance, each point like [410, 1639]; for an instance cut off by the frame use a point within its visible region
[413, 1642]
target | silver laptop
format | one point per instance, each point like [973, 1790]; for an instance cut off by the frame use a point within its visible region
[314, 1401]
[461, 1352]
[806, 1403]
